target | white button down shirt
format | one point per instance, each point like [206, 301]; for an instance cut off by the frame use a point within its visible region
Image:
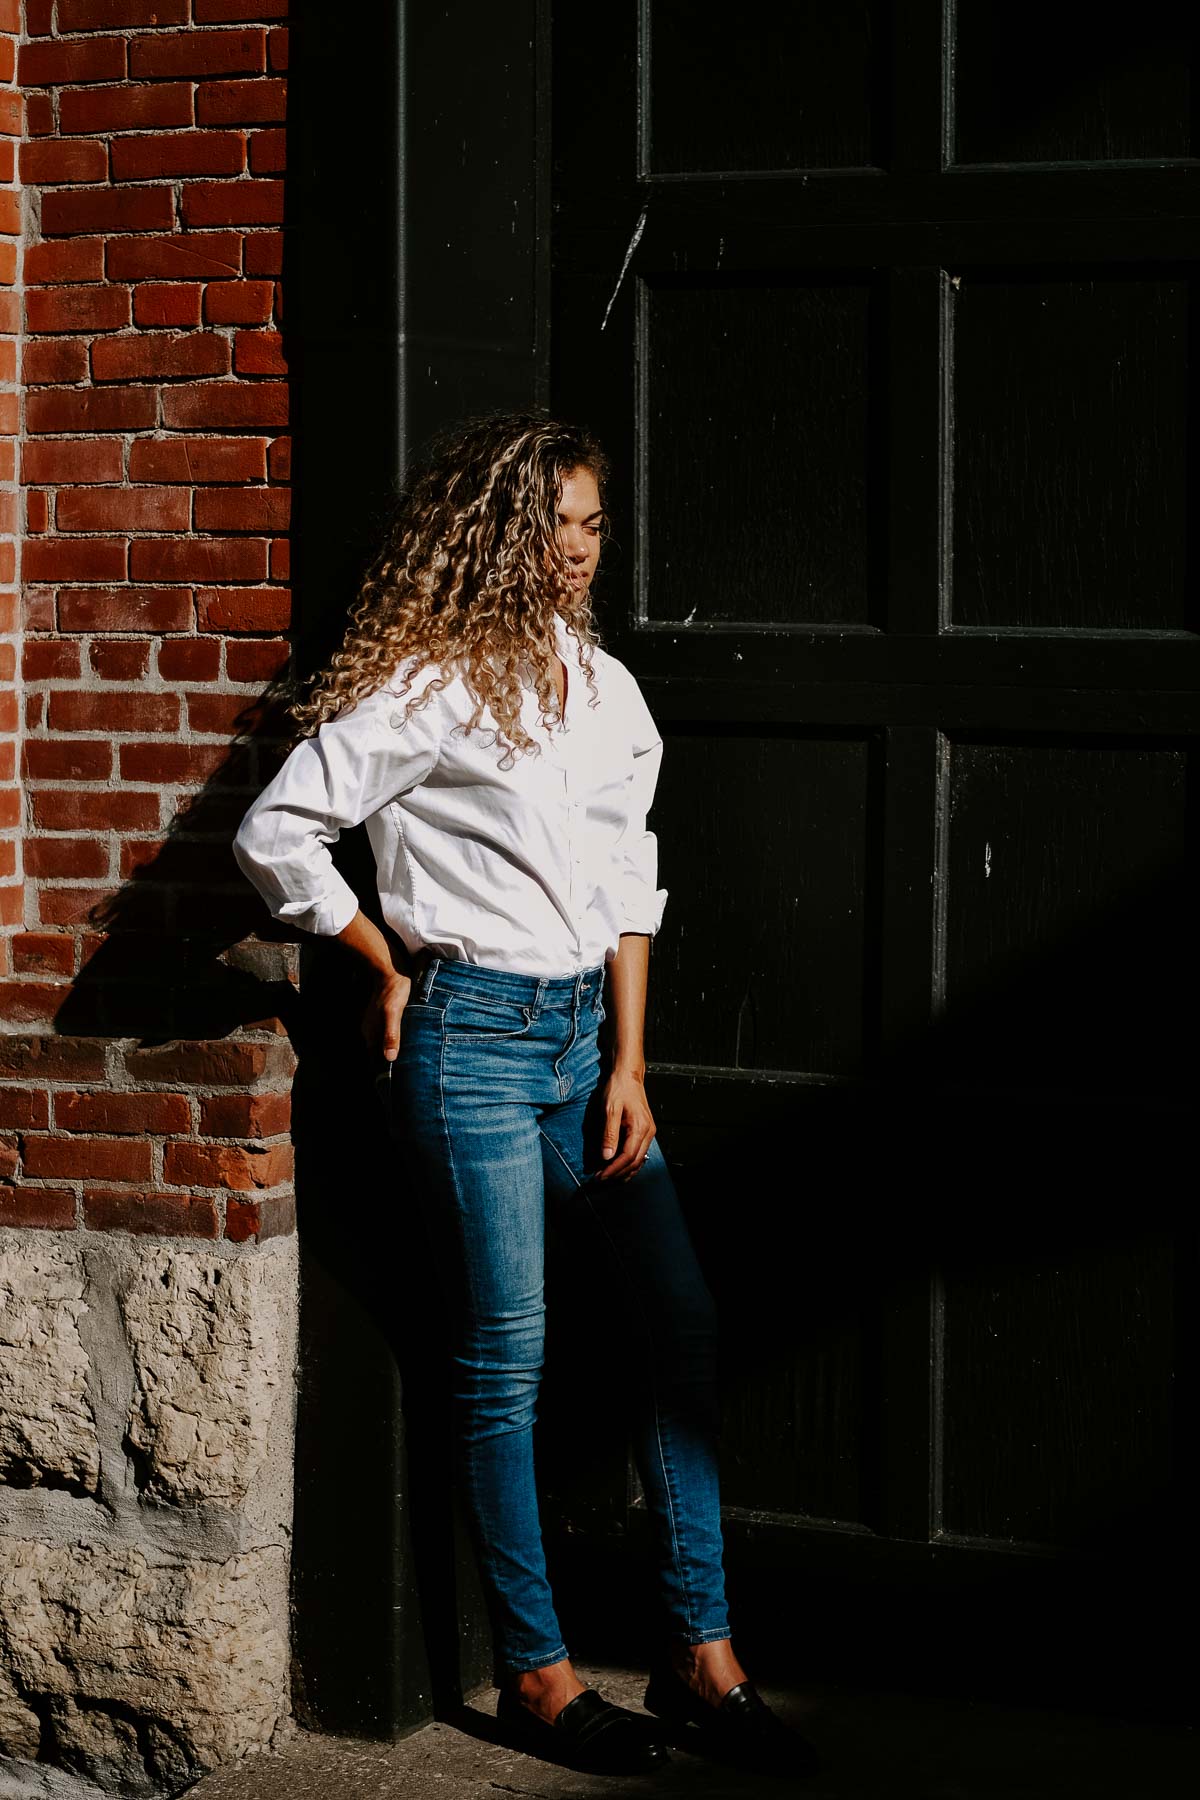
[537, 868]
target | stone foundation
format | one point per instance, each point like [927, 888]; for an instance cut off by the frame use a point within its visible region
[146, 1434]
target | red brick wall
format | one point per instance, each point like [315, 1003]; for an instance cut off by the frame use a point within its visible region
[151, 404]
[10, 325]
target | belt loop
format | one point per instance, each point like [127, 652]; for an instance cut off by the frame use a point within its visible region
[427, 974]
[538, 999]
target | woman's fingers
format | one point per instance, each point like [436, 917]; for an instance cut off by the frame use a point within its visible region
[381, 1025]
[638, 1133]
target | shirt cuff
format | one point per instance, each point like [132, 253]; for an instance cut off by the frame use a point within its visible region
[644, 913]
[325, 917]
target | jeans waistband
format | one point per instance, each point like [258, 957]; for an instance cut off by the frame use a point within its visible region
[536, 991]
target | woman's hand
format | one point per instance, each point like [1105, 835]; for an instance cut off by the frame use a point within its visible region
[385, 1009]
[629, 1127]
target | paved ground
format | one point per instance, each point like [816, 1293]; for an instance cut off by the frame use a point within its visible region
[876, 1747]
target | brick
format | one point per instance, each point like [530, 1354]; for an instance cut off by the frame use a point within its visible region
[63, 858]
[186, 153]
[244, 1115]
[200, 254]
[241, 102]
[49, 660]
[190, 659]
[69, 460]
[168, 303]
[264, 509]
[74, 905]
[173, 763]
[267, 152]
[279, 459]
[110, 15]
[9, 1158]
[159, 1215]
[26, 1108]
[38, 1209]
[198, 559]
[194, 459]
[225, 403]
[30, 1002]
[70, 259]
[80, 308]
[93, 1158]
[108, 209]
[52, 1058]
[219, 12]
[222, 1062]
[198, 53]
[120, 659]
[259, 1219]
[125, 609]
[238, 302]
[277, 48]
[256, 659]
[200, 865]
[56, 63]
[160, 355]
[51, 160]
[159, 106]
[257, 202]
[74, 559]
[39, 114]
[124, 509]
[259, 353]
[12, 906]
[49, 759]
[10, 804]
[281, 559]
[228, 715]
[119, 809]
[95, 409]
[42, 953]
[226, 1166]
[84, 711]
[165, 1115]
[51, 360]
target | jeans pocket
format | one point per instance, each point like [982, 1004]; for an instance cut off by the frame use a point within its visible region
[472, 1021]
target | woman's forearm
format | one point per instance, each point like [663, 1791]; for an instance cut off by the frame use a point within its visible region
[627, 976]
[364, 937]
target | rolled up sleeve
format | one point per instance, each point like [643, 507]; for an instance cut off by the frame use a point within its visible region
[355, 764]
[642, 900]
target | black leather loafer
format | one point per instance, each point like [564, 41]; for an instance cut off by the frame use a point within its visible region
[743, 1731]
[589, 1733]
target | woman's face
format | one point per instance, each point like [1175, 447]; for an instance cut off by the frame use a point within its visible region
[580, 516]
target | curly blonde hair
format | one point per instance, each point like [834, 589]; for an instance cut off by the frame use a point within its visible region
[469, 578]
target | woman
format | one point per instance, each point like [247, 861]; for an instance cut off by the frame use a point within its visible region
[504, 765]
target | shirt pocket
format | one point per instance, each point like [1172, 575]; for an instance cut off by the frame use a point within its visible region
[472, 1021]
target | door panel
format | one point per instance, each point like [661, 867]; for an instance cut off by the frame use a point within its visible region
[769, 973]
[754, 447]
[1071, 402]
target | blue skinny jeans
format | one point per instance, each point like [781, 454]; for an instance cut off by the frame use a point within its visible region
[494, 1097]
